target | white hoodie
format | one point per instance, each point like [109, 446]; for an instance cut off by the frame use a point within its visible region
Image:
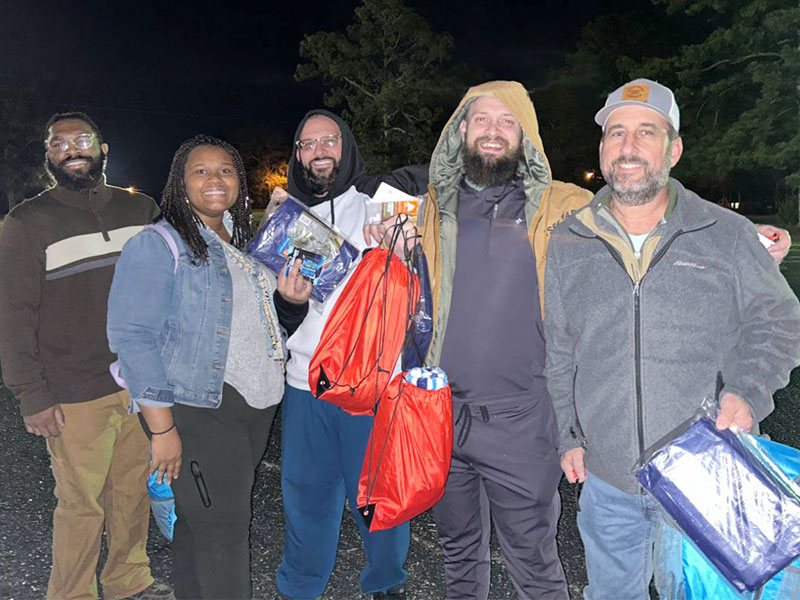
[350, 210]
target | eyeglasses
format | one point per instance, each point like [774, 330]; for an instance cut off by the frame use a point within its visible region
[83, 141]
[328, 142]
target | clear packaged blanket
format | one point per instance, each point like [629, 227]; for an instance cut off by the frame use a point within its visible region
[729, 497]
[294, 232]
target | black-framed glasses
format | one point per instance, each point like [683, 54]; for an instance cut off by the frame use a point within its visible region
[82, 141]
[327, 141]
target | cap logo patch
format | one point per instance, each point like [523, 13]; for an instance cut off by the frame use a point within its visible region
[637, 92]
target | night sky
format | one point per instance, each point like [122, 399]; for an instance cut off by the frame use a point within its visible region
[155, 73]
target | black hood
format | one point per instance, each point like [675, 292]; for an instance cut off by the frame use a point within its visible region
[350, 167]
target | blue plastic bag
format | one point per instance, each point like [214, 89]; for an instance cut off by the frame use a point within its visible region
[162, 505]
[732, 499]
[684, 572]
[419, 337]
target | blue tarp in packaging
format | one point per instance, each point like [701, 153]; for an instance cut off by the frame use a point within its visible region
[731, 499]
[685, 574]
[293, 231]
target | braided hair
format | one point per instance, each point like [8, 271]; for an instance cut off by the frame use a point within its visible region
[177, 211]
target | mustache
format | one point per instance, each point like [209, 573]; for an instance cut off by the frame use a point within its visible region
[491, 138]
[76, 157]
[630, 160]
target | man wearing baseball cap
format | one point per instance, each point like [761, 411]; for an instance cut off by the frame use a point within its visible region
[650, 292]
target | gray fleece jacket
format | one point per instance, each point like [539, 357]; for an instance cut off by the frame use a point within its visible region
[634, 343]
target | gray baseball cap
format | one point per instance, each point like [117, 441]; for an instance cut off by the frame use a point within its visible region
[642, 92]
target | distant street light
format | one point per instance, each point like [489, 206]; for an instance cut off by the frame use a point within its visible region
[588, 175]
[131, 189]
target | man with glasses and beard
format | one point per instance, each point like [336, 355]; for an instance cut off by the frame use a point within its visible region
[652, 294]
[323, 447]
[57, 255]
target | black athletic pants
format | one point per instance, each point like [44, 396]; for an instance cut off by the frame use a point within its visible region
[221, 450]
[505, 467]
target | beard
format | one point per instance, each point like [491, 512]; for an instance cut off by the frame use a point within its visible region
[78, 181]
[640, 192]
[490, 171]
[319, 184]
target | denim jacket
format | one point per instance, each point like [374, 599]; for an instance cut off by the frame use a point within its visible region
[170, 328]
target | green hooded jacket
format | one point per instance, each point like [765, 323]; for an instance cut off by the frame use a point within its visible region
[549, 202]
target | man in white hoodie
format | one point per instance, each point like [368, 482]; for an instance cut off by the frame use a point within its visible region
[323, 447]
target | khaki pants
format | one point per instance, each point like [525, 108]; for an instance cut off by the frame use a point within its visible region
[100, 465]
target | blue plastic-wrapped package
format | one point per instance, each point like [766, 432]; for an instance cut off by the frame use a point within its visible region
[294, 232]
[734, 503]
[684, 572]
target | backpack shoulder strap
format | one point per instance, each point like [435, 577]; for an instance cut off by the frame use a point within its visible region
[162, 231]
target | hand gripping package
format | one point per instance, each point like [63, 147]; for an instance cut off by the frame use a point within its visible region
[294, 232]
[727, 496]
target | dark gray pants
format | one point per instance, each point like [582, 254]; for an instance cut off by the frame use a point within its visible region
[506, 468]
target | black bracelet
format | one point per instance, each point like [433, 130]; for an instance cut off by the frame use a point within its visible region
[165, 431]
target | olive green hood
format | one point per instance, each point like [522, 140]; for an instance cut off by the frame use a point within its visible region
[446, 172]
[447, 163]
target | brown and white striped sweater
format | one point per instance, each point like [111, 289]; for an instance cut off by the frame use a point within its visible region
[57, 256]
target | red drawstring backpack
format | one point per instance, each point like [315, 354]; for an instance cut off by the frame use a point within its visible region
[408, 455]
[364, 334]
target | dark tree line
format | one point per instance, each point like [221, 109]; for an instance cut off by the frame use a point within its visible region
[734, 66]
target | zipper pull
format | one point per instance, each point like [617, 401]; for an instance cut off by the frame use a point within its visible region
[636, 289]
[494, 210]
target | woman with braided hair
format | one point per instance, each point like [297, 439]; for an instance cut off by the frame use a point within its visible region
[199, 330]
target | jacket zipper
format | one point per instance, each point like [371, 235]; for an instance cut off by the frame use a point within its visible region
[637, 326]
[637, 360]
[577, 430]
[99, 219]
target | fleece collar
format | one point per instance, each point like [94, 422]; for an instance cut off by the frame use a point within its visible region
[88, 199]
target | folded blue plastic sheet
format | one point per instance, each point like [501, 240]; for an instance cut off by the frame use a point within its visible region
[737, 507]
[293, 231]
[162, 504]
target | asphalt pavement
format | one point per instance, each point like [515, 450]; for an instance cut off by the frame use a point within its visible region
[27, 503]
